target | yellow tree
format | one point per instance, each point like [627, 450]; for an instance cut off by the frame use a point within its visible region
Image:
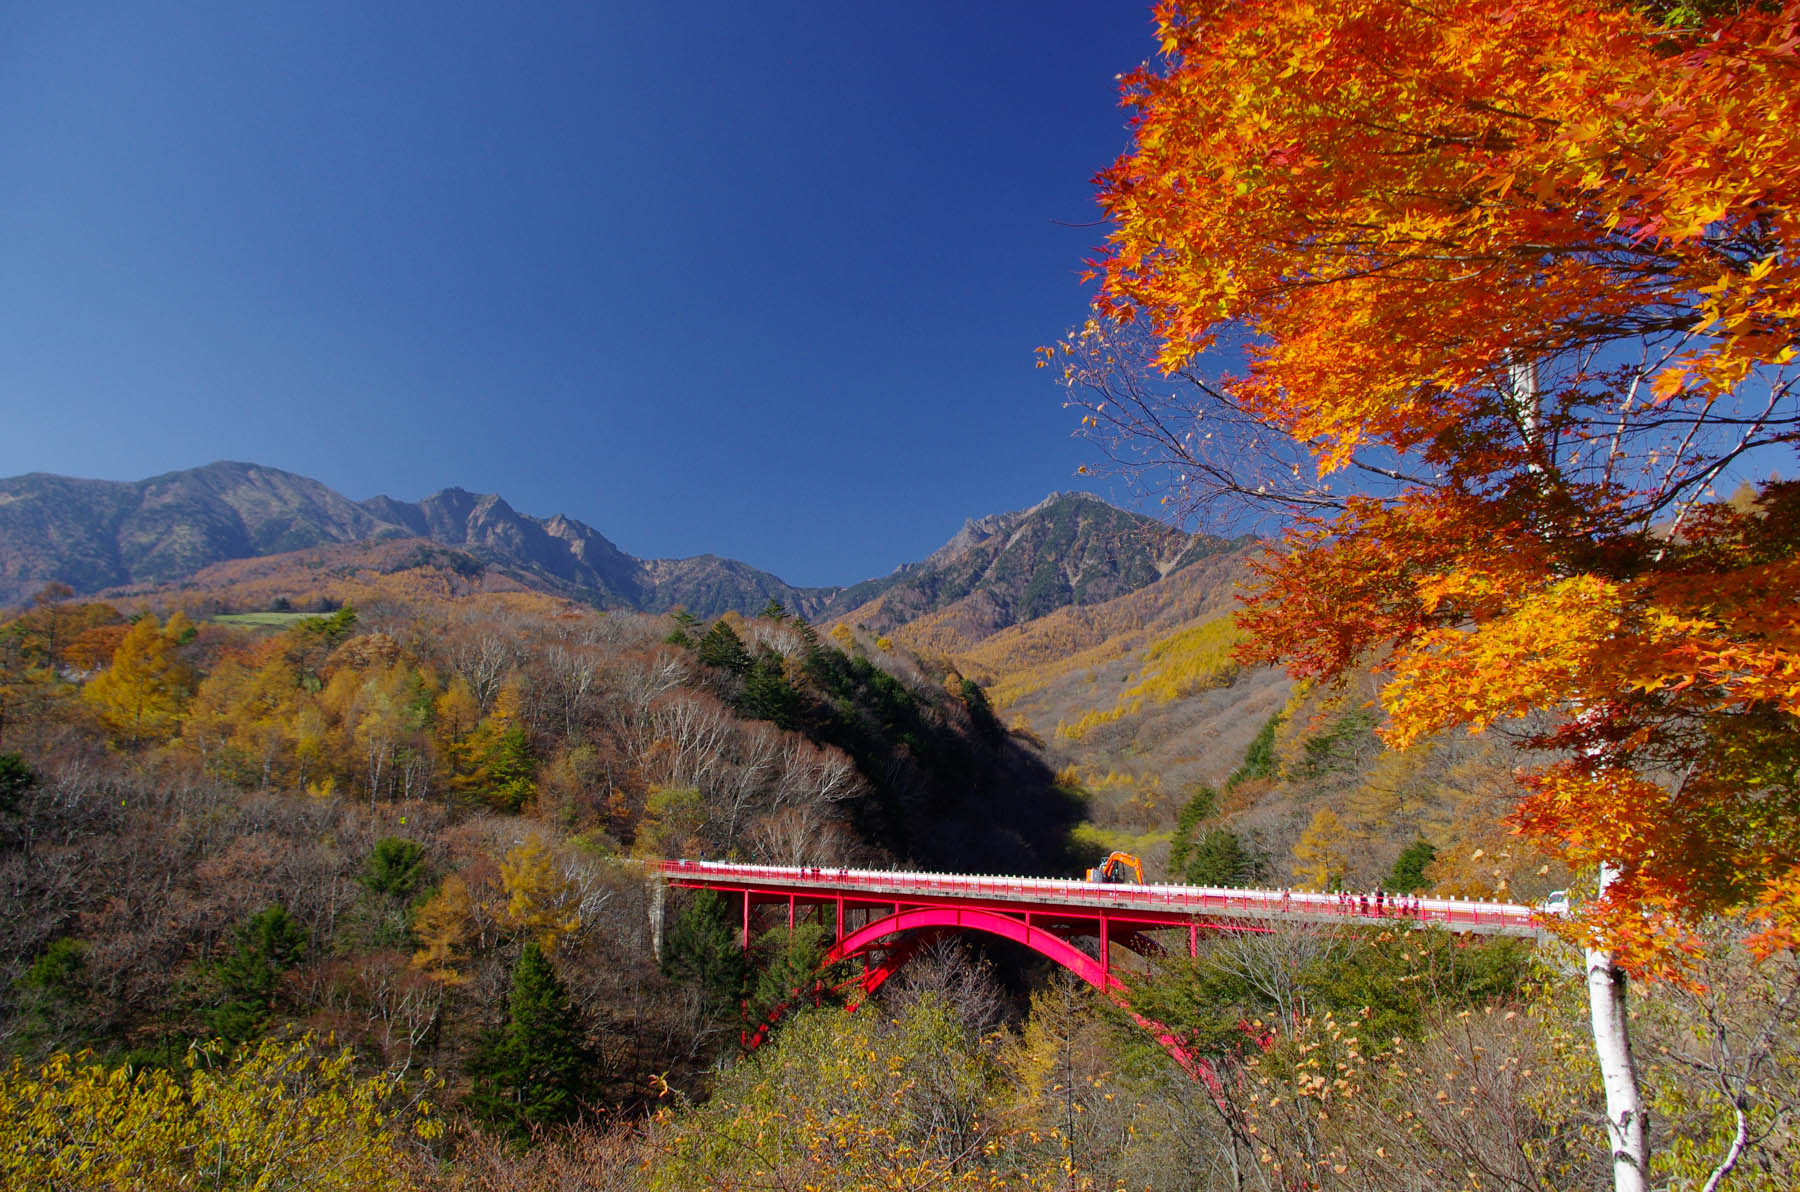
[377, 716]
[40, 647]
[242, 720]
[541, 900]
[143, 694]
[442, 928]
[1321, 855]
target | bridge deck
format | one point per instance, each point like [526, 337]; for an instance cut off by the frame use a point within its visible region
[1151, 905]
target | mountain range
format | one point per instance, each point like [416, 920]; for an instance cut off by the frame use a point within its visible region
[999, 570]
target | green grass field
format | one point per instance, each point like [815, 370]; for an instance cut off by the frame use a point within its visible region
[277, 620]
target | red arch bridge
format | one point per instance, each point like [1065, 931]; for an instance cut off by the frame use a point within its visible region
[879, 919]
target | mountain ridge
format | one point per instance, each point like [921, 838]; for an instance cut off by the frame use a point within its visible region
[99, 535]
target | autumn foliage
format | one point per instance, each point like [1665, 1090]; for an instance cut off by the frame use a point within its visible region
[1522, 279]
[281, 1115]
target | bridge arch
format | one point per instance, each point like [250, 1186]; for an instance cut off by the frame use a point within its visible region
[905, 932]
[930, 921]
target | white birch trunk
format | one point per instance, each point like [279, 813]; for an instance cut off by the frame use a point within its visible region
[1618, 1074]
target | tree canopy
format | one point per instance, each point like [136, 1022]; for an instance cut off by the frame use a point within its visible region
[1488, 298]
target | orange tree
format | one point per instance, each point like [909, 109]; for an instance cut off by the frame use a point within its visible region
[1490, 298]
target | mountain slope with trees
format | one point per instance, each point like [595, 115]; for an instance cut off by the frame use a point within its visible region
[414, 822]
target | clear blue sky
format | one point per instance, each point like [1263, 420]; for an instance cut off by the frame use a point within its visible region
[756, 279]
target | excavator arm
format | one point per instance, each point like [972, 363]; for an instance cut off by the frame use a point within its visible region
[1119, 867]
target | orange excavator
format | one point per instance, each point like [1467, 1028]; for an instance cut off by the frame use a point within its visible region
[1119, 867]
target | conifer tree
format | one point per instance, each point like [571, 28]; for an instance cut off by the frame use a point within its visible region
[15, 779]
[396, 866]
[442, 927]
[495, 761]
[789, 972]
[269, 944]
[532, 1071]
[724, 649]
[1219, 858]
[54, 997]
[767, 694]
[1409, 867]
[1320, 859]
[703, 947]
[1199, 806]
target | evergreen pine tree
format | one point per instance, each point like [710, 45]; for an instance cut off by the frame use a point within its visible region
[1259, 759]
[703, 946]
[809, 636]
[532, 1070]
[55, 998]
[396, 867]
[767, 694]
[788, 972]
[15, 779]
[1219, 858]
[1199, 807]
[268, 944]
[724, 649]
[512, 770]
[1409, 867]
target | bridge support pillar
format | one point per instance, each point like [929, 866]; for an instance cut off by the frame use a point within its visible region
[658, 891]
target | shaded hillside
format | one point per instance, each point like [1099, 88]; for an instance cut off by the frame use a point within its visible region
[327, 577]
[1070, 549]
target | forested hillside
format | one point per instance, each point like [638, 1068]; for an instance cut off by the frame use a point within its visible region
[374, 822]
[235, 847]
[333, 832]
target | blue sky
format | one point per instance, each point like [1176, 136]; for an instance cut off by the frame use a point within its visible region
[756, 279]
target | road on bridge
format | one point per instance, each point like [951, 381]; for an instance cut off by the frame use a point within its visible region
[1149, 905]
